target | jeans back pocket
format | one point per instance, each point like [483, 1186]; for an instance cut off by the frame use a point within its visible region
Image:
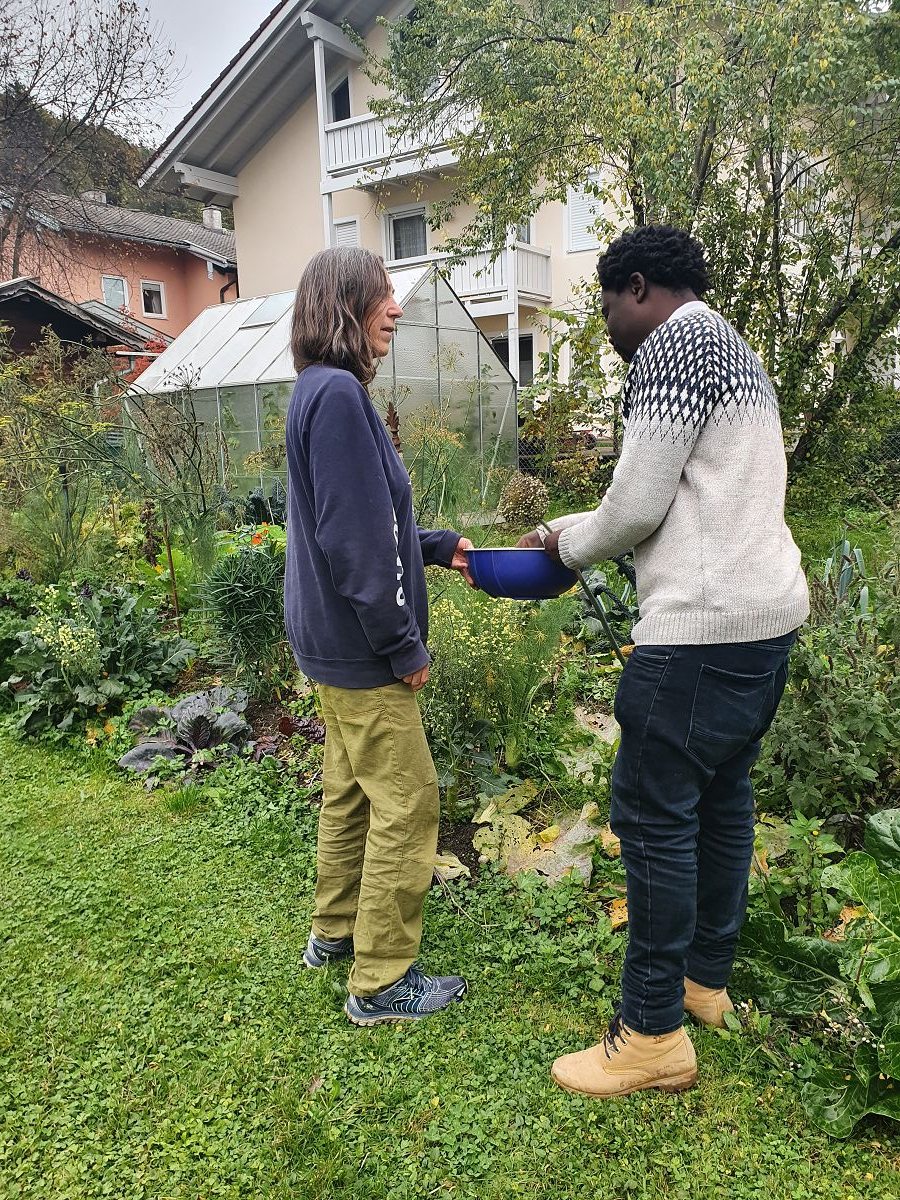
[728, 711]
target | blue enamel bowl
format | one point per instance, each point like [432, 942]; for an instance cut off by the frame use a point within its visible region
[519, 574]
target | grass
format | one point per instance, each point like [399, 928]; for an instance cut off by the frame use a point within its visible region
[159, 1040]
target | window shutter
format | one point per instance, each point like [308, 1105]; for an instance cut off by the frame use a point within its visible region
[346, 233]
[582, 208]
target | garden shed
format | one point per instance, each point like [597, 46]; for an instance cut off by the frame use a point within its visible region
[454, 400]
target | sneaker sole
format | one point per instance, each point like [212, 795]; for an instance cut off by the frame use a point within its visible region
[396, 1018]
[678, 1083]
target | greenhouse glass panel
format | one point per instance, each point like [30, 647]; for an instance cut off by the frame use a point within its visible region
[164, 373]
[257, 362]
[447, 398]
[240, 432]
[272, 401]
[419, 309]
[449, 311]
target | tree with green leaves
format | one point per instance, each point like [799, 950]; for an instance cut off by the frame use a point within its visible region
[769, 130]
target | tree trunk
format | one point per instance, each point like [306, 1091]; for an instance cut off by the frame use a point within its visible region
[882, 319]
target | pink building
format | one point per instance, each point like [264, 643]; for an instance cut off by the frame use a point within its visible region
[161, 271]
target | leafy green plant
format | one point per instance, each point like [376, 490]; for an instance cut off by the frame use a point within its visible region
[244, 597]
[847, 982]
[834, 748]
[200, 729]
[56, 521]
[86, 652]
[492, 661]
[790, 857]
[613, 585]
[17, 597]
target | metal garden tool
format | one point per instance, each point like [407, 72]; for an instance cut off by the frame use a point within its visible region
[543, 529]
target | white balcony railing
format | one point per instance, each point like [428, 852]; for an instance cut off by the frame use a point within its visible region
[534, 275]
[522, 269]
[366, 142]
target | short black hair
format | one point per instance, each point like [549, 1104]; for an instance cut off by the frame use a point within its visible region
[662, 254]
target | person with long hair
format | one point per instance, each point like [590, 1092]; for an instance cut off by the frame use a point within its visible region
[356, 613]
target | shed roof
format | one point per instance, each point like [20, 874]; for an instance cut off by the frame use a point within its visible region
[70, 320]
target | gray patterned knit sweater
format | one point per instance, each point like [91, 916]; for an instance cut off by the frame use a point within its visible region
[698, 492]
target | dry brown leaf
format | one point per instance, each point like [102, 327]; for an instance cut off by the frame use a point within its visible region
[761, 862]
[448, 866]
[847, 915]
[618, 913]
[610, 843]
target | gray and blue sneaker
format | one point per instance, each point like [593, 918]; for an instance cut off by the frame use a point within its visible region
[320, 952]
[414, 996]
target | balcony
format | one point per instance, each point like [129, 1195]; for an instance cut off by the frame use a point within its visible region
[519, 275]
[366, 150]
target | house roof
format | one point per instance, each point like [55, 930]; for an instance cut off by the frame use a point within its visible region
[147, 333]
[252, 96]
[71, 321]
[107, 220]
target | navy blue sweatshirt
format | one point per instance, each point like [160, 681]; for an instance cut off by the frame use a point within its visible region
[355, 604]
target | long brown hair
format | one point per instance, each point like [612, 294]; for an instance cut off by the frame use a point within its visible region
[337, 291]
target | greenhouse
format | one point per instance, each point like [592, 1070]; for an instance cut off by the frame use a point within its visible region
[448, 399]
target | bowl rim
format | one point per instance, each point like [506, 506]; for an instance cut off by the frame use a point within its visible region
[502, 549]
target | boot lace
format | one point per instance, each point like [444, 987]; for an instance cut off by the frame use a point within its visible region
[616, 1036]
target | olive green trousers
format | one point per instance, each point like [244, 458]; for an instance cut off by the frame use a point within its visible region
[378, 830]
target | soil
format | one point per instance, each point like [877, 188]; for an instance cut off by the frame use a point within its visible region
[457, 839]
[263, 717]
[273, 726]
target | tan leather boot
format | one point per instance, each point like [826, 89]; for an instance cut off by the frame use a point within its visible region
[626, 1062]
[708, 1005]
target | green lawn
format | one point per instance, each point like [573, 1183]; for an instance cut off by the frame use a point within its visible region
[159, 1039]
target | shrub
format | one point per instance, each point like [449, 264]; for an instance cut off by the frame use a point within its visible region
[524, 500]
[85, 652]
[834, 747]
[244, 597]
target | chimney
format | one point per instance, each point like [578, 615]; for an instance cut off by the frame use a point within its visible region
[96, 197]
[212, 217]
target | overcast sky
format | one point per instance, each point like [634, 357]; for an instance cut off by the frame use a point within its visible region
[206, 35]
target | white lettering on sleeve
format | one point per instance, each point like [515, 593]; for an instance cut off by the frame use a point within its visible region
[401, 598]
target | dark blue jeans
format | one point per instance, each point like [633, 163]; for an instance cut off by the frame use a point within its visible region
[692, 718]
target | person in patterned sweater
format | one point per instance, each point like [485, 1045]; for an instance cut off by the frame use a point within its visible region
[698, 494]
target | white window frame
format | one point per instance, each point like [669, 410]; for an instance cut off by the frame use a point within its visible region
[332, 88]
[405, 210]
[160, 316]
[570, 247]
[346, 221]
[120, 279]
